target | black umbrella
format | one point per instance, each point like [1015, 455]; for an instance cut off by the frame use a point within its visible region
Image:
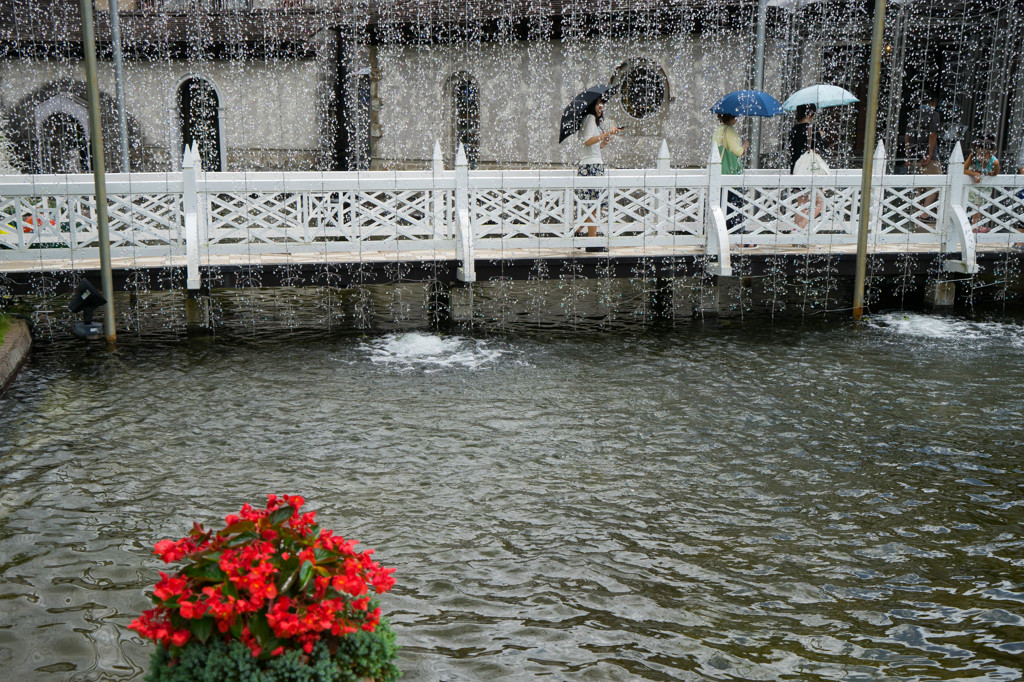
[572, 117]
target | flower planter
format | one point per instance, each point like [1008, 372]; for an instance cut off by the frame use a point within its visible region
[269, 597]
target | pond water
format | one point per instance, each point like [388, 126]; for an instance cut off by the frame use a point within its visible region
[744, 500]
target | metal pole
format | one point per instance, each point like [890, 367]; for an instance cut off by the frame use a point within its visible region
[122, 117]
[869, 150]
[96, 133]
[755, 142]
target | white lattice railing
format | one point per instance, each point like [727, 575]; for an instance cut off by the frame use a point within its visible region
[194, 217]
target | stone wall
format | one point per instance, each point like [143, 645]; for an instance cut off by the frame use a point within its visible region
[277, 113]
[524, 87]
[14, 351]
[265, 106]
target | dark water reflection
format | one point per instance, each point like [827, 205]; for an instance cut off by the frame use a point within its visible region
[713, 502]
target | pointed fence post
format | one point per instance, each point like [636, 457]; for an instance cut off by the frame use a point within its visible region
[715, 177]
[957, 178]
[190, 208]
[438, 162]
[957, 233]
[661, 196]
[716, 235]
[955, 196]
[463, 226]
[664, 160]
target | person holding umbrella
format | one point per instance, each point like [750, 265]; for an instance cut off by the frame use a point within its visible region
[804, 138]
[594, 138]
[583, 117]
[730, 147]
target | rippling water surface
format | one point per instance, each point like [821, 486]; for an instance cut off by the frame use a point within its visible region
[712, 502]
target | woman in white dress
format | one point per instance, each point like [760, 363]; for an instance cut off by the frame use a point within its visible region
[594, 138]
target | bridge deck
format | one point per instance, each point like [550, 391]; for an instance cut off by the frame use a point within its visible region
[23, 265]
[283, 268]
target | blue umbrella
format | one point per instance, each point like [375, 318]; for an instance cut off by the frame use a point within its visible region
[820, 95]
[748, 103]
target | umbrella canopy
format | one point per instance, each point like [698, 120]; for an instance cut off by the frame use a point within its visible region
[572, 116]
[820, 95]
[748, 103]
[789, 4]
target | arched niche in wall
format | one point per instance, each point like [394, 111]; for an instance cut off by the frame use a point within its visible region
[198, 113]
[62, 135]
[463, 94]
[64, 145]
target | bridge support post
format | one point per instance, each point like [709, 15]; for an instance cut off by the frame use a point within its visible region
[662, 298]
[439, 304]
[197, 314]
[940, 293]
[708, 291]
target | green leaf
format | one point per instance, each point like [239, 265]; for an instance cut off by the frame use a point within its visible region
[238, 527]
[323, 555]
[259, 627]
[305, 574]
[280, 516]
[286, 574]
[202, 628]
[208, 556]
[229, 589]
[241, 539]
[206, 571]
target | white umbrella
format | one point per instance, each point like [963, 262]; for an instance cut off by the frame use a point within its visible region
[789, 4]
[820, 95]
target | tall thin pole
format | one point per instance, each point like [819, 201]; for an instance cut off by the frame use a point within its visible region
[122, 117]
[99, 174]
[762, 20]
[869, 148]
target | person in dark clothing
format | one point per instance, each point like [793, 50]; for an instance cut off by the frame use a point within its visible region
[804, 137]
[922, 159]
[921, 138]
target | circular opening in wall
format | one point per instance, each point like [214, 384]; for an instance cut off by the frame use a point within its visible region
[643, 87]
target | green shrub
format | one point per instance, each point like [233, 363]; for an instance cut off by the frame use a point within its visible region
[359, 656]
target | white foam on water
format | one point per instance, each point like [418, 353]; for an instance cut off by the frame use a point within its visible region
[952, 328]
[417, 350]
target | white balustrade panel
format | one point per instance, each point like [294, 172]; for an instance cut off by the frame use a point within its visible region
[995, 207]
[791, 210]
[54, 216]
[913, 209]
[326, 213]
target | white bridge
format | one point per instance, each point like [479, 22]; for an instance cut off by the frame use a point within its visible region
[193, 219]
